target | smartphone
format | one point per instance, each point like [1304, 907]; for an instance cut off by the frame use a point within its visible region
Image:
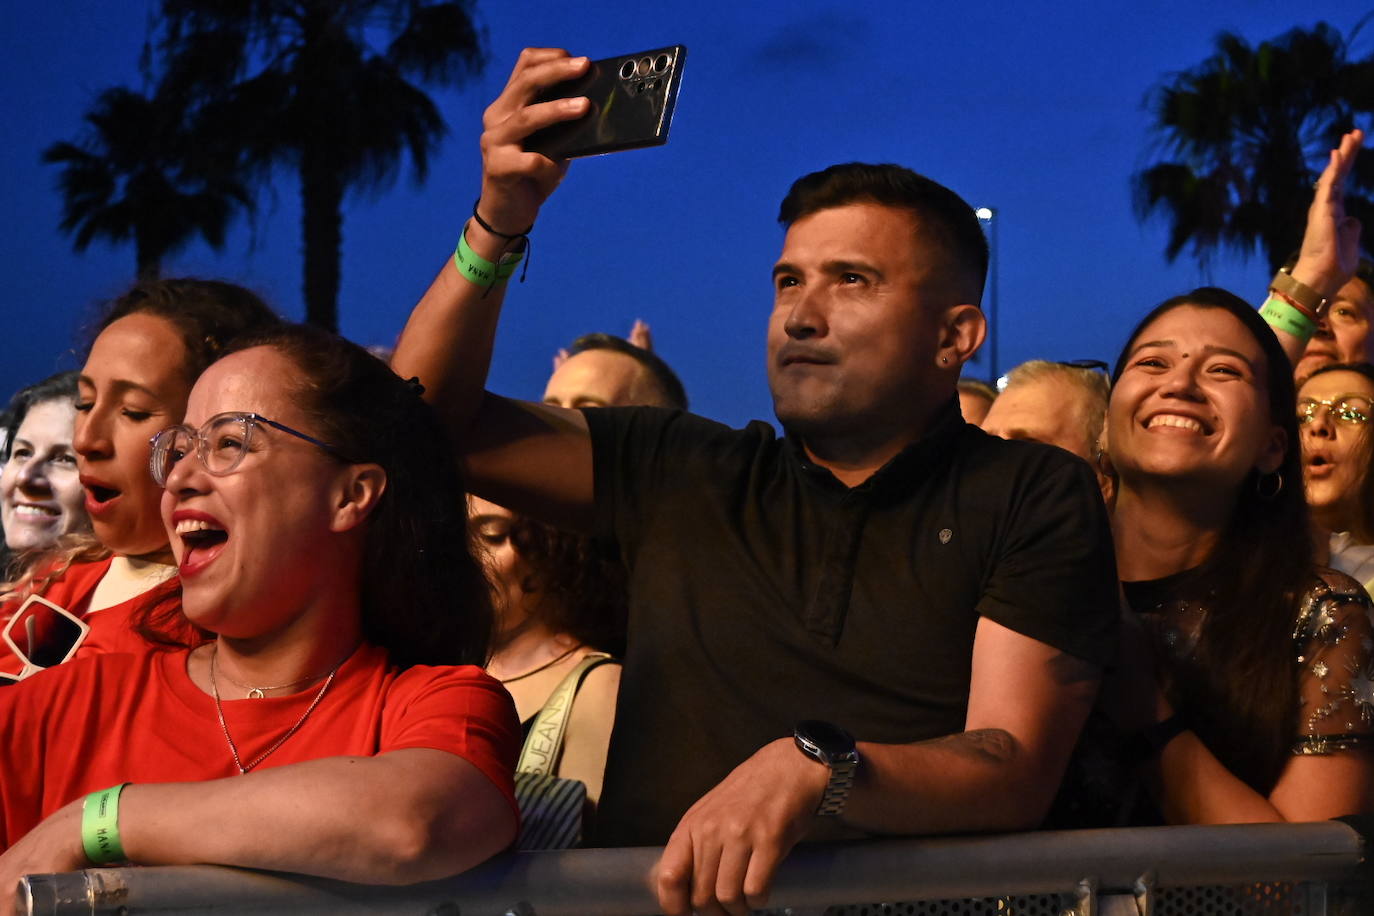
[632, 98]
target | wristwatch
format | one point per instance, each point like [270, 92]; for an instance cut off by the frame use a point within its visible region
[1293, 289]
[833, 746]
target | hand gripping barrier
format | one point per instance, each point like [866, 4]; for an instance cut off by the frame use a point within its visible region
[1096, 872]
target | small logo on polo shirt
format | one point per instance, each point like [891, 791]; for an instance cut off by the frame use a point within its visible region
[945, 535]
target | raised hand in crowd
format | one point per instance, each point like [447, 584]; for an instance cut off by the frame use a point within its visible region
[639, 336]
[458, 314]
[1331, 243]
[1330, 251]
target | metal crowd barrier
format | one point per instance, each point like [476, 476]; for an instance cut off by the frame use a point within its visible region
[1317, 868]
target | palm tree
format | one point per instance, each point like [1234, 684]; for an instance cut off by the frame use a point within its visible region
[144, 173]
[1246, 132]
[314, 95]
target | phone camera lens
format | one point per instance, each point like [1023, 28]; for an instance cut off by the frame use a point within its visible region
[660, 63]
[627, 69]
[645, 65]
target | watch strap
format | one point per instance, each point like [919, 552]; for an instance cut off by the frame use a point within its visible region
[837, 788]
[1299, 293]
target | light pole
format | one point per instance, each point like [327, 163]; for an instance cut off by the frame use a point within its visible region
[988, 217]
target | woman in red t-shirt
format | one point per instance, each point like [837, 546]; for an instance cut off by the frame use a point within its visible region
[337, 724]
[150, 345]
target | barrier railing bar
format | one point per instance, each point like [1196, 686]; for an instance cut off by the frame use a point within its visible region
[614, 882]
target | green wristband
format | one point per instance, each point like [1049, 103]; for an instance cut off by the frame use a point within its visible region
[1283, 317]
[100, 826]
[477, 269]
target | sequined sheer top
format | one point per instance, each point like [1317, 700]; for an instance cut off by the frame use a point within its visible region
[1333, 654]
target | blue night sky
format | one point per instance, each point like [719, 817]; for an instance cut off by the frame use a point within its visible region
[1034, 109]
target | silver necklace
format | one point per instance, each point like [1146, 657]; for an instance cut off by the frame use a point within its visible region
[219, 711]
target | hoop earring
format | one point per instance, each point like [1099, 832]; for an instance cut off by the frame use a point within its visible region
[1261, 481]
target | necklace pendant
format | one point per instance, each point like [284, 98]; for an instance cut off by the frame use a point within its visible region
[256, 694]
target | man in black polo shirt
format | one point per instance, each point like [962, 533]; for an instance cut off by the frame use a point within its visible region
[885, 570]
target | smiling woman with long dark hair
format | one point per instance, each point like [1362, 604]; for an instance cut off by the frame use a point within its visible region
[337, 723]
[1261, 655]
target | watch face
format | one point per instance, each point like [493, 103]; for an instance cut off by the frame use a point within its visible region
[830, 741]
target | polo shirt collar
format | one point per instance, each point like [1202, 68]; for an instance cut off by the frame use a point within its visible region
[912, 463]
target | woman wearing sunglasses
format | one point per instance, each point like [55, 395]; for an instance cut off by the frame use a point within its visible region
[337, 723]
[1335, 405]
[1248, 692]
[149, 347]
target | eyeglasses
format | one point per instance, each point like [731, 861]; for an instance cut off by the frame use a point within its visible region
[1351, 409]
[220, 444]
[42, 634]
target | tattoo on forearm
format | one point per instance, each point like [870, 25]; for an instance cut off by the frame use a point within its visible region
[989, 745]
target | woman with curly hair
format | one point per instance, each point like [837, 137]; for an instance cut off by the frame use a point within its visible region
[560, 611]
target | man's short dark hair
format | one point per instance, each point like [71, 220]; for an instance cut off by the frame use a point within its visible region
[664, 378]
[946, 216]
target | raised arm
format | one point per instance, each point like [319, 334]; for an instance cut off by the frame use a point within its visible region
[1330, 249]
[1027, 703]
[529, 456]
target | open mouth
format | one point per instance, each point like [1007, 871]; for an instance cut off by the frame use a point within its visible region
[99, 497]
[101, 494]
[1319, 466]
[202, 540]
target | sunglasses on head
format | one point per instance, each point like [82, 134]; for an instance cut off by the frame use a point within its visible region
[42, 634]
[1090, 364]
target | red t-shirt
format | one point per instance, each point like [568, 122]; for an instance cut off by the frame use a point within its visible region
[111, 627]
[113, 718]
